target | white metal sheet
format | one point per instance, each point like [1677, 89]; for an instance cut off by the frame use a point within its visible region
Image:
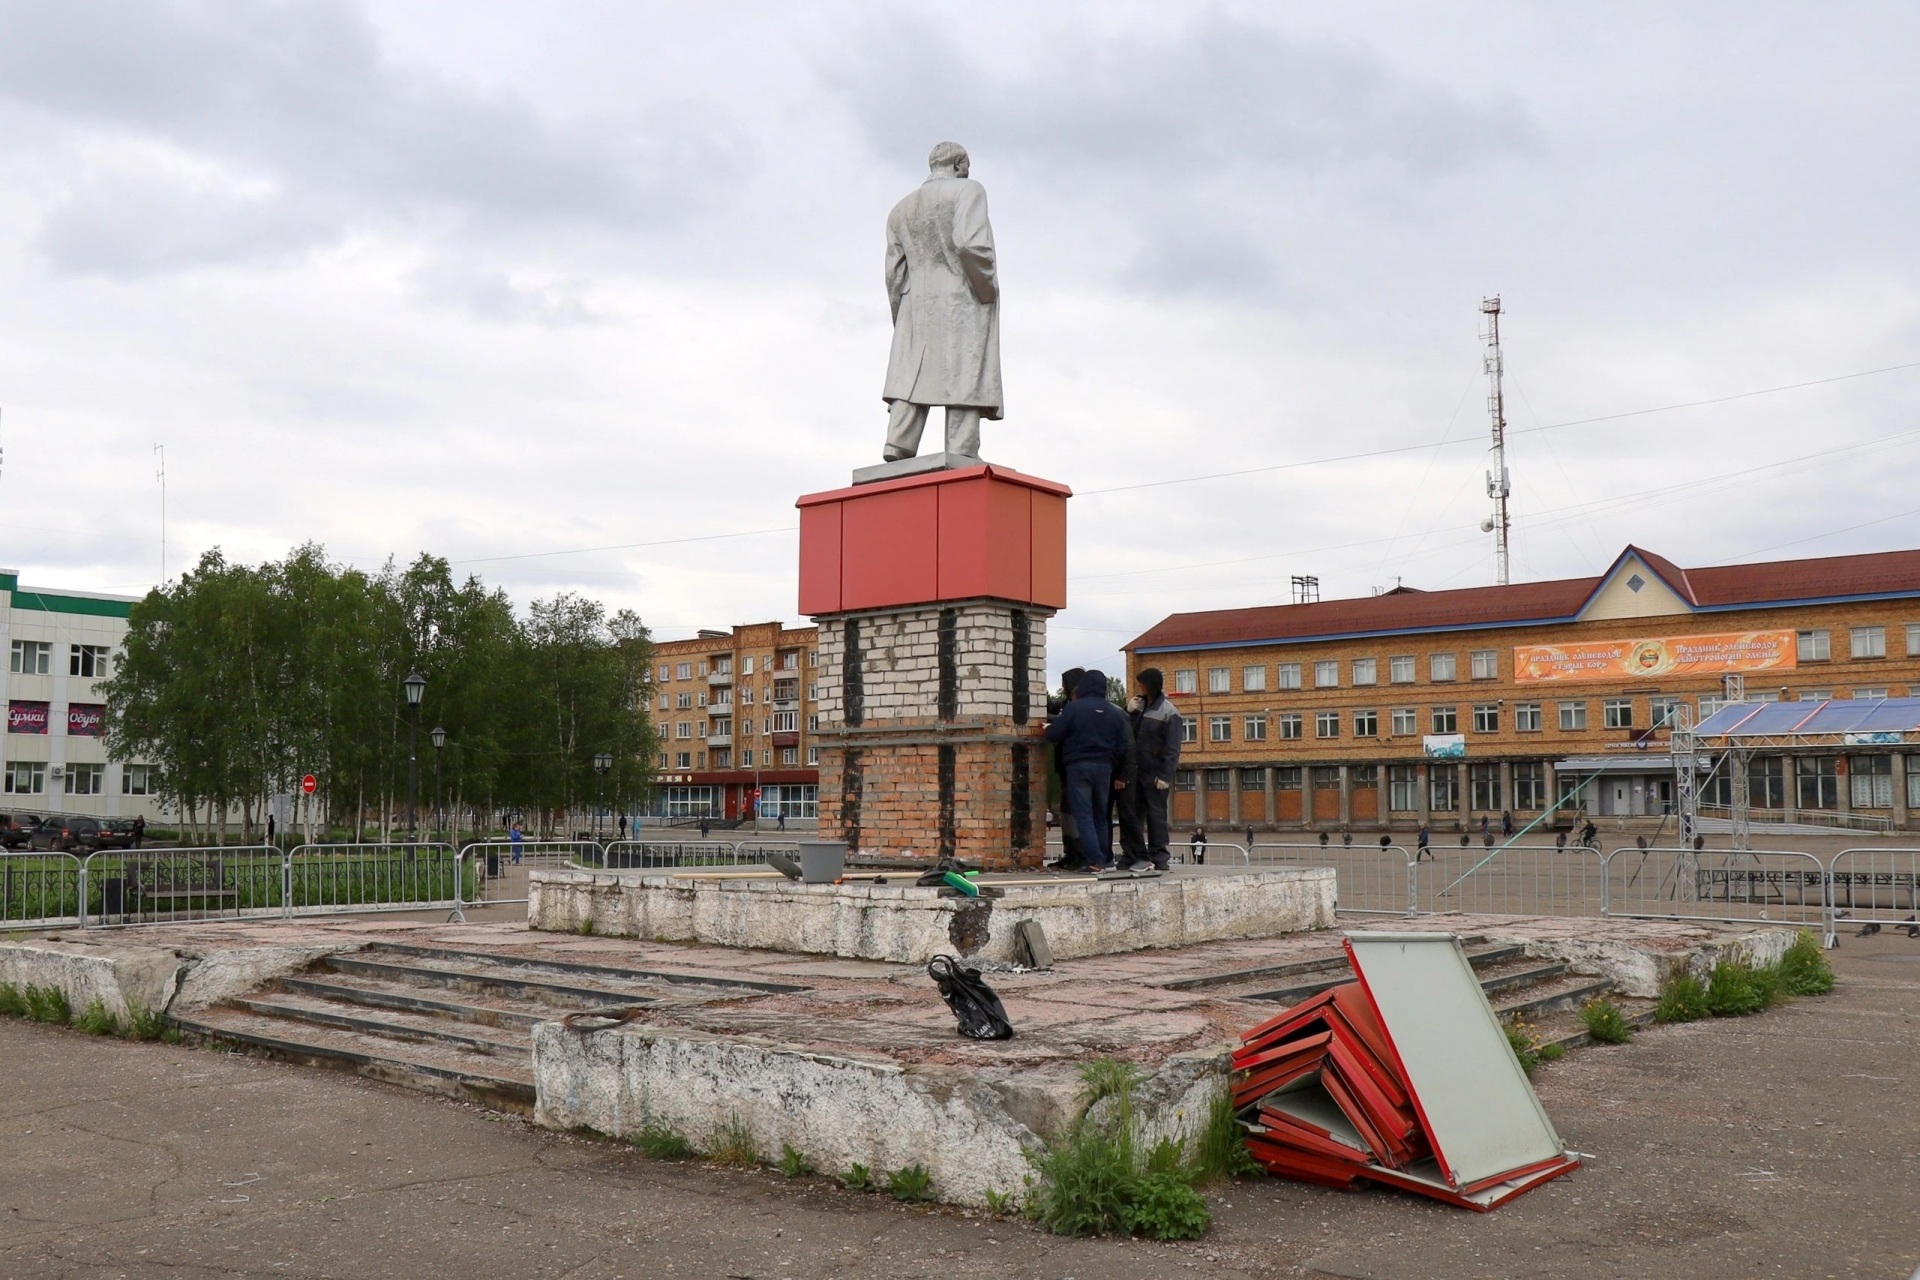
[1480, 1110]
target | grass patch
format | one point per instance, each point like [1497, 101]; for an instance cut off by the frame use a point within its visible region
[1606, 1024]
[1804, 970]
[1736, 988]
[1525, 1043]
[145, 1023]
[857, 1178]
[1682, 999]
[97, 1019]
[586, 927]
[12, 1003]
[1221, 1151]
[49, 1005]
[662, 1143]
[733, 1143]
[1096, 1181]
[910, 1185]
[792, 1163]
[999, 1203]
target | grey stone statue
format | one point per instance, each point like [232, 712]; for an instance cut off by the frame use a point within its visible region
[945, 293]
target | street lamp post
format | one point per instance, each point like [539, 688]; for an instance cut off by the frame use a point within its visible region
[416, 687]
[438, 735]
[602, 763]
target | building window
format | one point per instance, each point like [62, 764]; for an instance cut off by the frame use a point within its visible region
[1868, 642]
[1187, 681]
[1406, 720]
[88, 661]
[1710, 703]
[1189, 729]
[1483, 787]
[786, 721]
[790, 660]
[1661, 711]
[666, 701]
[1287, 676]
[1573, 716]
[1254, 729]
[1486, 664]
[683, 760]
[684, 671]
[1366, 671]
[1815, 695]
[1813, 646]
[813, 657]
[813, 724]
[24, 778]
[1326, 724]
[682, 729]
[1819, 782]
[746, 664]
[746, 726]
[1253, 779]
[723, 727]
[1219, 779]
[1326, 777]
[1446, 720]
[722, 758]
[1326, 675]
[1526, 717]
[684, 701]
[32, 658]
[700, 760]
[1486, 717]
[665, 674]
[143, 779]
[1286, 777]
[1871, 780]
[1443, 788]
[1913, 782]
[1219, 680]
[723, 666]
[1530, 785]
[1913, 639]
[813, 756]
[1617, 713]
[1869, 695]
[1400, 670]
[1289, 726]
[1366, 724]
[700, 670]
[1440, 667]
[1403, 788]
[789, 755]
[1219, 728]
[746, 695]
[1253, 679]
[701, 732]
[1183, 779]
[662, 761]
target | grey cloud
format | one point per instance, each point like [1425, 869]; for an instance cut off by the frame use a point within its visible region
[296, 102]
[490, 293]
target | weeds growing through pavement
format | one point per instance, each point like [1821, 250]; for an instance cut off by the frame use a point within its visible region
[911, 1184]
[1606, 1024]
[857, 1178]
[733, 1142]
[97, 1020]
[1804, 970]
[662, 1143]
[792, 1163]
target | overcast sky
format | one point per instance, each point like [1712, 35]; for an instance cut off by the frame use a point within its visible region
[504, 281]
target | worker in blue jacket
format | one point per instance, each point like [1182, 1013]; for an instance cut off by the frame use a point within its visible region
[1094, 739]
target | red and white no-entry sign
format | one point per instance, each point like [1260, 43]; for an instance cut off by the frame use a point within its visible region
[309, 784]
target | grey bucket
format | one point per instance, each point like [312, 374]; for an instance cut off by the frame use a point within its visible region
[822, 861]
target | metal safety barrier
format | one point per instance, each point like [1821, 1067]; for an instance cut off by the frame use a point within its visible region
[1875, 886]
[41, 890]
[494, 872]
[651, 854]
[393, 876]
[1510, 880]
[1371, 879]
[172, 886]
[1737, 886]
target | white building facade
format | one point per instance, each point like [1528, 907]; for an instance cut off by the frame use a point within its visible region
[61, 646]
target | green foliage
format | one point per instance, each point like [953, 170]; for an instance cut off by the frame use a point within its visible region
[1606, 1024]
[145, 1023]
[1804, 970]
[1551, 1052]
[1221, 1151]
[48, 1004]
[858, 1178]
[911, 1184]
[662, 1143]
[792, 1163]
[1736, 988]
[586, 927]
[237, 679]
[1682, 999]
[733, 1142]
[13, 1003]
[97, 1020]
[999, 1203]
[1525, 1043]
[1166, 1207]
[1094, 1181]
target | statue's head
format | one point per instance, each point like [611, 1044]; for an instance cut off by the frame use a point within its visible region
[949, 157]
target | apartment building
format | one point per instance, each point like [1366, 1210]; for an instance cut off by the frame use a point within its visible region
[60, 646]
[736, 714]
[1447, 706]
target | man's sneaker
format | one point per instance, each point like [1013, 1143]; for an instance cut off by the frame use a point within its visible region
[1142, 864]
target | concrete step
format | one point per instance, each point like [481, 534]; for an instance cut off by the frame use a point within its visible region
[395, 1024]
[558, 976]
[374, 993]
[1336, 971]
[1569, 1032]
[1514, 977]
[494, 1080]
[1554, 996]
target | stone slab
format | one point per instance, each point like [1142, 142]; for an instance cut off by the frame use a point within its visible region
[906, 925]
[915, 466]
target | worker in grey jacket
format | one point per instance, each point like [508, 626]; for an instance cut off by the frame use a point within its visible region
[1156, 732]
[1093, 738]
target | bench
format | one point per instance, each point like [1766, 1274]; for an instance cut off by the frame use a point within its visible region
[173, 883]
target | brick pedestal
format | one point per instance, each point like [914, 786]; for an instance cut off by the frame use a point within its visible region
[932, 595]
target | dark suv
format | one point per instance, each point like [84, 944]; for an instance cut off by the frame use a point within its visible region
[79, 835]
[16, 829]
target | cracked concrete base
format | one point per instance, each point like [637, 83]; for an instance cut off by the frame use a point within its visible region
[126, 974]
[906, 925]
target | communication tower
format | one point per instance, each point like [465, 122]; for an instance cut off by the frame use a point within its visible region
[1498, 486]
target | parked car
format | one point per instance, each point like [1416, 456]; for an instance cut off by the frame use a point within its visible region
[16, 829]
[45, 831]
[78, 835]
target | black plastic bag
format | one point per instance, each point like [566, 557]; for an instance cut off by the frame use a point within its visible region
[980, 1013]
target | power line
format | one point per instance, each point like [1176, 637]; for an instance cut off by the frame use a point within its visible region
[626, 546]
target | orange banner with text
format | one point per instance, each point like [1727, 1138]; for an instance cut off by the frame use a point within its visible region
[1644, 659]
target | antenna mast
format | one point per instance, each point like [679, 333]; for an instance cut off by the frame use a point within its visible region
[1498, 486]
[160, 474]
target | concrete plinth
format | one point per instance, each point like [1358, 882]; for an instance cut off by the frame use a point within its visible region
[910, 925]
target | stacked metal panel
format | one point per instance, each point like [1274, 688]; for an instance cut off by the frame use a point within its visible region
[1402, 1077]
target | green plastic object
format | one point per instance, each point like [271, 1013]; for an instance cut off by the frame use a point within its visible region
[961, 883]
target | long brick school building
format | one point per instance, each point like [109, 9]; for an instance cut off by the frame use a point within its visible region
[1444, 706]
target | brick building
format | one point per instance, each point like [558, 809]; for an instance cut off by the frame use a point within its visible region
[736, 713]
[1448, 705]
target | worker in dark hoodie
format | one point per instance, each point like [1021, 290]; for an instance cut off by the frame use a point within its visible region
[1094, 739]
[1157, 729]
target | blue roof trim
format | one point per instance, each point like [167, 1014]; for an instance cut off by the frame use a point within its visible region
[1808, 602]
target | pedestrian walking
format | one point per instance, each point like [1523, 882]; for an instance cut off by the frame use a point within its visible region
[1424, 849]
[1157, 735]
[705, 826]
[1249, 839]
[1506, 824]
[622, 827]
[1093, 738]
[781, 824]
[139, 830]
[1486, 830]
[515, 839]
[1197, 847]
[271, 826]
